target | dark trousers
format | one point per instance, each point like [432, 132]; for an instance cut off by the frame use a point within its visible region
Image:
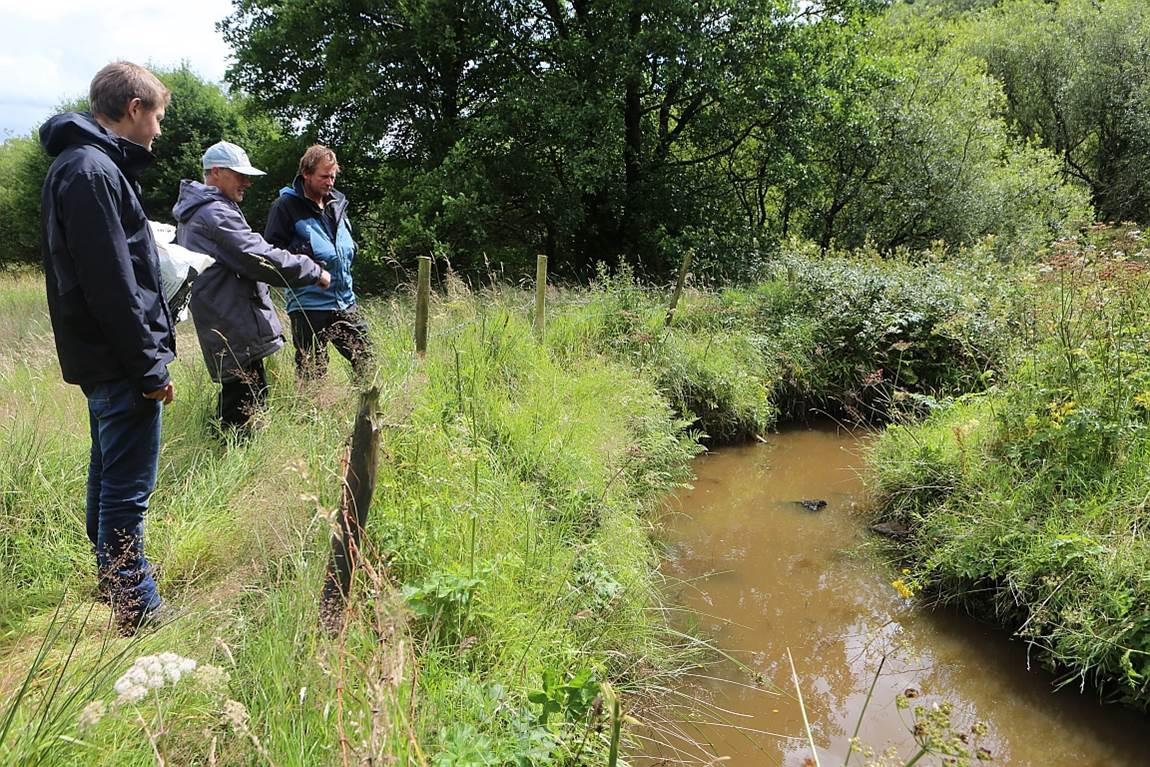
[311, 332]
[242, 398]
[125, 429]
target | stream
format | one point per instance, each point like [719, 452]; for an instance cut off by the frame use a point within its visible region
[761, 575]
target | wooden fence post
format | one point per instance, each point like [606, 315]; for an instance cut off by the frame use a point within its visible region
[679, 285]
[422, 298]
[540, 294]
[351, 517]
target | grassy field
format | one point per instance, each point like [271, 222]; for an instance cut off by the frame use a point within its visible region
[510, 595]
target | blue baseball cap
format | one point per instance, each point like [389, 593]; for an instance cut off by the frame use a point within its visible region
[228, 155]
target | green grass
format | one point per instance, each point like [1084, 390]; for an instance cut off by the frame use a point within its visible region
[521, 483]
[27, 332]
[1027, 504]
[512, 569]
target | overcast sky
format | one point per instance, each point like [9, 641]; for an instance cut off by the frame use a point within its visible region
[52, 48]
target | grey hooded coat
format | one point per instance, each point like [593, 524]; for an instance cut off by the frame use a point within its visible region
[236, 322]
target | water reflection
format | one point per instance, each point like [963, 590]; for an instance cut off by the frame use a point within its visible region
[764, 574]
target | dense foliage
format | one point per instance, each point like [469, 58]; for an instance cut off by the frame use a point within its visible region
[869, 339]
[22, 169]
[585, 130]
[630, 131]
[1076, 75]
[1026, 503]
[487, 132]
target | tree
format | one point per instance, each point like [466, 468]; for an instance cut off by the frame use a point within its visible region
[908, 146]
[605, 130]
[1075, 75]
[586, 129]
[23, 166]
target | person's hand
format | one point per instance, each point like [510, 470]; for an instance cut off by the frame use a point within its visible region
[164, 395]
[324, 280]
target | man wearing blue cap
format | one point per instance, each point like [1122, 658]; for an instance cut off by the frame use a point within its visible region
[236, 324]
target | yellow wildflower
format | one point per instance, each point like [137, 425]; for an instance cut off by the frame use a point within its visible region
[1059, 411]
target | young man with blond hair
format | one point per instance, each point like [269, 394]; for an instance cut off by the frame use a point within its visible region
[112, 327]
[310, 217]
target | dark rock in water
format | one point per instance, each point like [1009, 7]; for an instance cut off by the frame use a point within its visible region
[813, 505]
[896, 530]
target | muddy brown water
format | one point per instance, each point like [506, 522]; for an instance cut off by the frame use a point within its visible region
[761, 575]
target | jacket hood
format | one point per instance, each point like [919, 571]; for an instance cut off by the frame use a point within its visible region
[80, 128]
[193, 195]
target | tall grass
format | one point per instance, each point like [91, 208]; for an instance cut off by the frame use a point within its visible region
[509, 596]
[1027, 503]
[509, 536]
[27, 331]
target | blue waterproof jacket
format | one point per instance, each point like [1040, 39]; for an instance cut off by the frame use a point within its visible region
[297, 224]
[105, 296]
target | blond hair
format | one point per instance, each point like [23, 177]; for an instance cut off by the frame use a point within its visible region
[118, 83]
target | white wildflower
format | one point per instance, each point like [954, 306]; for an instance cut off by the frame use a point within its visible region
[127, 692]
[210, 676]
[92, 714]
[236, 714]
[151, 672]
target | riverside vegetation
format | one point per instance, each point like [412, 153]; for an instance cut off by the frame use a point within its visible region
[1026, 502]
[509, 610]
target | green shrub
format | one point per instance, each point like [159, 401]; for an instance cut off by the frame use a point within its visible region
[856, 334]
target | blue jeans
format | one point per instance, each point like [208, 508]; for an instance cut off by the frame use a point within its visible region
[125, 428]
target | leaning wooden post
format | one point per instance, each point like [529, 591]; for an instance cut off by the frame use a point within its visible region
[422, 298]
[540, 294]
[679, 285]
[351, 517]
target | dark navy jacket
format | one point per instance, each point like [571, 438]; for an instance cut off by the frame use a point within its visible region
[105, 296]
[297, 224]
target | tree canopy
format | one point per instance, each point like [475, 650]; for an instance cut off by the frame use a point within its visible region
[631, 130]
[1076, 75]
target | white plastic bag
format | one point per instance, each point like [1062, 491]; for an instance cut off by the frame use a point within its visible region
[179, 267]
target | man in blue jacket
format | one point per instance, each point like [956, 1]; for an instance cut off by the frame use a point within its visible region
[236, 324]
[310, 217]
[111, 324]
